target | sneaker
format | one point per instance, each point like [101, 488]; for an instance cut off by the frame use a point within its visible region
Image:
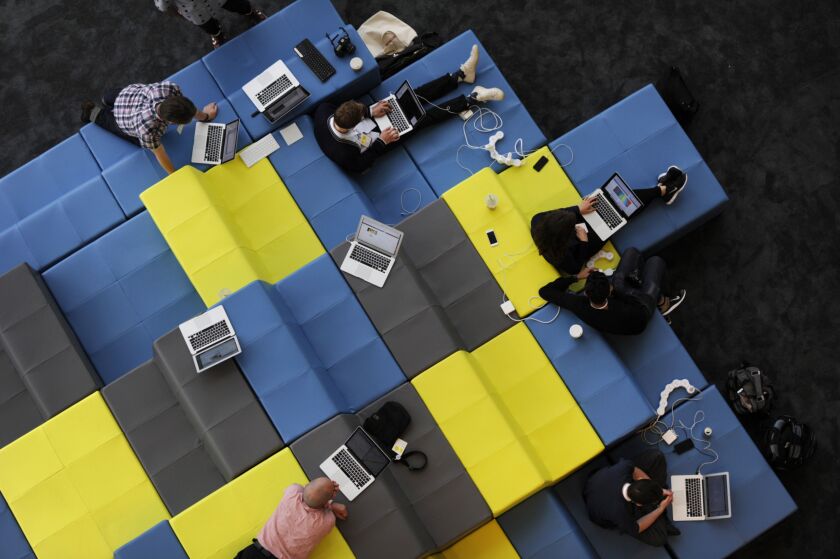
[674, 180]
[256, 16]
[673, 303]
[87, 109]
[468, 67]
[484, 94]
[218, 40]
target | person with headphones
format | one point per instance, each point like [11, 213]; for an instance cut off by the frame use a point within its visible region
[141, 114]
[354, 149]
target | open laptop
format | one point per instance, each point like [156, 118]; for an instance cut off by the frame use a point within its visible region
[615, 202]
[210, 338]
[355, 464]
[215, 143]
[275, 92]
[701, 497]
[406, 111]
[373, 252]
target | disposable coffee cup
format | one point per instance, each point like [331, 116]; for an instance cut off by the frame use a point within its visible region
[356, 63]
[491, 200]
[576, 331]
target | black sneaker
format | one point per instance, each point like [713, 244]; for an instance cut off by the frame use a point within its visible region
[674, 180]
[218, 40]
[87, 108]
[256, 16]
[674, 302]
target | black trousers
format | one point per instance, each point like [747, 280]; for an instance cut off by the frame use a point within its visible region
[443, 110]
[253, 551]
[652, 462]
[106, 119]
[243, 7]
[650, 271]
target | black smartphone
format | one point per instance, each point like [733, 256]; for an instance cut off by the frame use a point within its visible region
[540, 163]
[684, 446]
[491, 236]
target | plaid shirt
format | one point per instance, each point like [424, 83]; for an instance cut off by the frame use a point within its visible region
[134, 111]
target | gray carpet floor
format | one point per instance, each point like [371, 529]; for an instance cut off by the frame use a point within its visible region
[762, 278]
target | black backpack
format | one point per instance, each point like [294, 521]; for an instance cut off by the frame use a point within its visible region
[677, 96]
[386, 425]
[788, 443]
[390, 64]
[749, 390]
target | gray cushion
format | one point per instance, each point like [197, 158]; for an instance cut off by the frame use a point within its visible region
[440, 296]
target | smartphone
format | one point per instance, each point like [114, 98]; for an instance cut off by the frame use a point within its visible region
[491, 236]
[540, 163]
[684, 446]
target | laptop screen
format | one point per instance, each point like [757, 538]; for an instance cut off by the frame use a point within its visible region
[622, 195]
[217, 353]
[716, 495]
[412, 110]
[372, 234]
[366, 452]
[231, 134]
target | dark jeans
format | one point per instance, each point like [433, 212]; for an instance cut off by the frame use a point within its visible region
[652, 462]
[106, 119]
[651, 272]
[243, 7]
[254, 551]
[443, 110]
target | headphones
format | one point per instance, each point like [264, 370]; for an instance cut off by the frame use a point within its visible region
[508, 159]
[789, 443]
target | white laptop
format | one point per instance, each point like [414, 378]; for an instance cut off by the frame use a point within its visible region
[270, 85]
[373, 252]
[355, 464]
[701, 497]
[210, 338]
[406, 111]
[615, 202]
[215, 143]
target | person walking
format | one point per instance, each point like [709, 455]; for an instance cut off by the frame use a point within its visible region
[202, 13]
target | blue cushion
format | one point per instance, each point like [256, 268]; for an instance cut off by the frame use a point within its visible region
[14, 544]
[122, 292]
[759, 500]
[599, 381]
[244, 57]
[639, 138]
[434, 149]
[159, 542]
[541, 528]
[608, 544]
[107, 148]
[13, 249]
[655, 358]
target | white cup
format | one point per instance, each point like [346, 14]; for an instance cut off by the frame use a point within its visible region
[576, 331]
[356, 63]
[491, 200]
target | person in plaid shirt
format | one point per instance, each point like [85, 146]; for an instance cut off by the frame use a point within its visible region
[141, 114]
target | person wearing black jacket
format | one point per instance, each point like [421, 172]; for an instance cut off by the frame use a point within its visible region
[355, 151]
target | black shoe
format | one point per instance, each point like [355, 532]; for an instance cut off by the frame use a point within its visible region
[256, 16]
[673, 303]
[674, 180]
[672, 530]
[218, 40]
[87, 108]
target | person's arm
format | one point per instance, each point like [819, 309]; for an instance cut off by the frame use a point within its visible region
[208, 113]
[557, 291]
[339, 510]
[163, 159]
[639, 474]
[647, 520]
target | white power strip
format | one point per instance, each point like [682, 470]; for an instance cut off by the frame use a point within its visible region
[260, 149]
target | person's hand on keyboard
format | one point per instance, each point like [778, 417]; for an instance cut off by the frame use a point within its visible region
[389, 135]
[380, 109]
[587, 205]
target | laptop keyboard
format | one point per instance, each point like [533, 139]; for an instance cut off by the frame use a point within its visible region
[274, 90]
[396, 116]
[344, 460]
[694, 497]
[606, 211]
[209, 335]
[213, 148]
[369, 258]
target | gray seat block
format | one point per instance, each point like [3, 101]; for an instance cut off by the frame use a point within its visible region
[18, 412]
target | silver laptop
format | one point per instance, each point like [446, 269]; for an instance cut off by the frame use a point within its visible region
[210, 338]
[406, 111]
[615, 202]
[270, 85]
[355, 464]
[215, 143]
[701, 497]
[373, 252]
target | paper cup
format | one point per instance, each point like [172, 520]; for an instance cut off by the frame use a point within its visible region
[356, 63]
[576, 331]
[491, 200]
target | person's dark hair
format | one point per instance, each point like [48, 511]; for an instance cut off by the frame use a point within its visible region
[177, 109]
[349, 114]
[597, 288]
[645, 492]
[553, 233]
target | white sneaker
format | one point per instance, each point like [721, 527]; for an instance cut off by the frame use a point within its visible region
[468, 67]
[484, 94]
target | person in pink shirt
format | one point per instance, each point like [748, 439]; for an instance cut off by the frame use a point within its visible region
[303, 518]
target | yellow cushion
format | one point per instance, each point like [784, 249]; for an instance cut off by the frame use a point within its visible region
[509, 417]
[522, 193]
[225, 521]
[231, 225]
[488, 542]
[75, 485]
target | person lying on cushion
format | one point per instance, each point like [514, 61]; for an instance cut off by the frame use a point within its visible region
[623, 306]
[141, 113]
[344, 132]
[561, 235]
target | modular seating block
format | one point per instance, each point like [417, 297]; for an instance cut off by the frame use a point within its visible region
[76, 487]
[231, 225]
[43, 369]
[435, 150]
[15, 545]
[759, 500]
[439, 298]
[247, 55]
[159, 542]
[308, 349]
[541, 528]
[53, 205]
[522, 192]
[225, 521]
[509, 417]
[333, 201]
[122, 292]
[639, 138]
[405, 513]
[488, 542]
[187, 428]
[596, 377]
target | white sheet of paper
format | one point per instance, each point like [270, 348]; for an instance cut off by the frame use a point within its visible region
[291, 134]
[365, 126]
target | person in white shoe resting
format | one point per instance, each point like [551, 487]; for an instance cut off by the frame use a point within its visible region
[354, 150]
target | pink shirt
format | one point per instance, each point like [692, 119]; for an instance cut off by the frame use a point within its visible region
[294, 528]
